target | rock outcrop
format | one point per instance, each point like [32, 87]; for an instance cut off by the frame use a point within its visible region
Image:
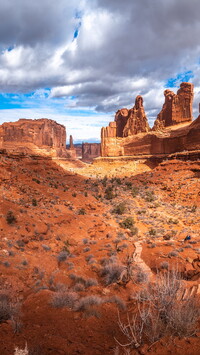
[90, 151]
[127, 123]
[37, 137]
[177, 108]
[156, 143]
[133, 121]
[173, 130]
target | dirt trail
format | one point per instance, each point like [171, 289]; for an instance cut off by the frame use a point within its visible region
[140, 262]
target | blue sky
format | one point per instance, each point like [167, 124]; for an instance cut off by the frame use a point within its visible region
[84, 59]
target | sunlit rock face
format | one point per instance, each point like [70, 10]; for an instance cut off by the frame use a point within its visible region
[173, 130]
[40, 137]
[177, 107]
[127, 123]
[90, 151]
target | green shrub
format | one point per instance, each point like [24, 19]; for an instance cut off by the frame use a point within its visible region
[109, 193]
[34, 202]
[10, 218]
[127, 223]
[82, 211]
[120, 208]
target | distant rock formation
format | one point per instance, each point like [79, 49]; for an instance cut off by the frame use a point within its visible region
[90, 151]
[72, 149]
[37, 137]
[133, 121]
[127, 123]
[130, 135]
[177, 108]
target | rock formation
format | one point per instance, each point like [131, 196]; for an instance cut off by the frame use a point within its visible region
[90, 151]
[72, 149]
[133, 121]
[127, 123]
[130, 133]
[39, 137]
[155, 142]
[177, 108]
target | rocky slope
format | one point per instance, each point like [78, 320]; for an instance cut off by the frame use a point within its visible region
[60, 231]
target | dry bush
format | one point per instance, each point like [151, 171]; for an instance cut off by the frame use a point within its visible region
[158, 312]
[112, 272]
[64, 298]
[87, 302]
[9, 309]
[85, 282]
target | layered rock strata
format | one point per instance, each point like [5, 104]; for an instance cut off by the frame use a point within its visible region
[37, 137]
[90, 151]
[127, 123]
[177, 107]
[172, 132]
[181, 139]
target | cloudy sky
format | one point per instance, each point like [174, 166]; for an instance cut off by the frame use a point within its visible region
[79, 61]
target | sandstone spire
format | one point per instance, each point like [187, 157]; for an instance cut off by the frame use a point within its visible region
[177, 107]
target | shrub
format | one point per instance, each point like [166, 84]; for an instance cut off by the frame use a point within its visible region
[157, 312]
[82, 211]
[119, 209]
[62, 256]
[127, 223]
[172, 253]
[10, 218]
[149, 197]
[128, 185]
[111, 272]
[152, 232]
[118, 301]
[135, 191]
[109, 193]
[86, 302]
[139, 276]
[8, 308]
[64, 298]
[46, 247]
[85, 241]
[34, 202]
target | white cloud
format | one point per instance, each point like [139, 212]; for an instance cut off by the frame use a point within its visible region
[124, 48]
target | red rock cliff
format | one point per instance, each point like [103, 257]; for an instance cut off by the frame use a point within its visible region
[130, 133]
[127, 123]
[42, 136]
[177, 108]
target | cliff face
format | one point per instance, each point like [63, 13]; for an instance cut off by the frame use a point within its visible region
[127, 123]
[177, 108]
[130, 133]
[135, 119]
[40, 137]
[157, 143]
[90, 151]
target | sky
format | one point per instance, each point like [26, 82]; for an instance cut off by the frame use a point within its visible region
[79, 61]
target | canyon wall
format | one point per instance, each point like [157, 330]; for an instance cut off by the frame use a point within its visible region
[39, 137]
[172, 132]
[177, 107]
[90, 151]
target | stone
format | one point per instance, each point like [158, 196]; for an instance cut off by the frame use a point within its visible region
[173, 131]
[90, 151]
[177, 108]
[133, 121]
[36, 137]
[127, 123]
